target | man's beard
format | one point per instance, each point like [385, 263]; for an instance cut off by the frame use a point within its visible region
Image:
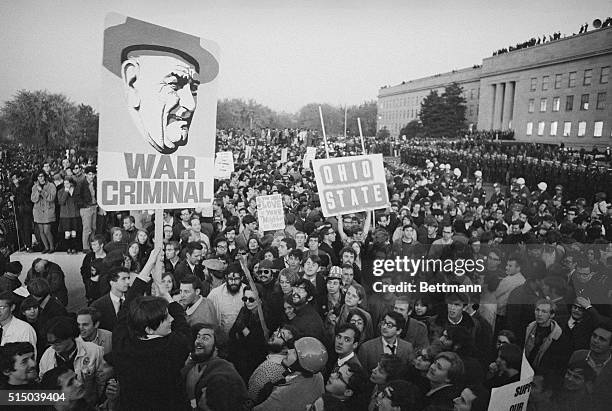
[233, 288]
[202, 356]
[300, 303]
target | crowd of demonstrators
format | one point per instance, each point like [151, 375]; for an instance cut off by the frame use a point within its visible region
[219, 315]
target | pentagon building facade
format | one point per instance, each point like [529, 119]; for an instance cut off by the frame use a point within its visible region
[556, 92]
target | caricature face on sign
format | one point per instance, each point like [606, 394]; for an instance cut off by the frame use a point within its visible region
[161, 93]
[158, 105]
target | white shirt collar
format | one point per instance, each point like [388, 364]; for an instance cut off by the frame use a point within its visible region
[195, 305]
[342, 361]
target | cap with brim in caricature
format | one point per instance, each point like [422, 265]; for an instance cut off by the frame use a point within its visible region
[130, 35]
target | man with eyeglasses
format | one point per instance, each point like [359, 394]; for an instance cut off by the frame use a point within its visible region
[589, 284]
[12, 329]
[581, 323]
[328, 243]
[266, 276]
[182, 224]
[388, 343]
[344, 389]
[272, 369]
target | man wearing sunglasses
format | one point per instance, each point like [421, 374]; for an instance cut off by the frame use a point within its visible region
[266, 275]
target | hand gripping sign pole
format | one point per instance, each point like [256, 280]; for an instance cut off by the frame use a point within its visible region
[324, 135]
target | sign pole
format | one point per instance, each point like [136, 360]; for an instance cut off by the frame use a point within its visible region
[345, 110]
[361, 136]
[262, 320]
[324, 135]
[159, 235]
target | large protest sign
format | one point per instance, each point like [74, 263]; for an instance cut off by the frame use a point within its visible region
[224, 164]
[351, 184]
[513, 397]
[311, 153]
[158, 107]
[270, 212]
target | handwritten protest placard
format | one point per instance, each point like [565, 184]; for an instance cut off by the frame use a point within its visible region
[270, 212]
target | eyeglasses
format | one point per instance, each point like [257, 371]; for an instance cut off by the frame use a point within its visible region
[266, 271]
[249, 299]
[578, 307]
[242, 253]
[357, 322]
[388, 324]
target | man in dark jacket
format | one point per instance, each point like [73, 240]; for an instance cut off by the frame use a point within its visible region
[307, 320]
[150, 345]
[204, 370]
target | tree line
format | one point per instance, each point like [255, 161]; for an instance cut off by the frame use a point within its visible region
[40, 117]
[52, 119]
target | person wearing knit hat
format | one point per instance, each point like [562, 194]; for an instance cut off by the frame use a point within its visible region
[542, 196]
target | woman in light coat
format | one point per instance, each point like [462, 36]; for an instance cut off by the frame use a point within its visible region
[43, 197]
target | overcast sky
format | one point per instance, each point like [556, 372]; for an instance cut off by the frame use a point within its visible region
[283, 53]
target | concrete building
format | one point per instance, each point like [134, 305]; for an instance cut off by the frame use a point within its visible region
[556, 92]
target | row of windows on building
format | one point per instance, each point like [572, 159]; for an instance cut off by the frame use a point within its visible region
[567, 128]
[398, 115]
[587, 79]
[600, 103]
[412, 114]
